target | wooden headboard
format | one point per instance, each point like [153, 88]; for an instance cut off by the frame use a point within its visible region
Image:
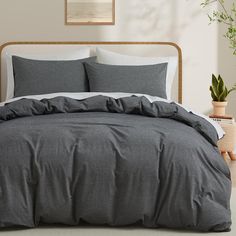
[148, 49]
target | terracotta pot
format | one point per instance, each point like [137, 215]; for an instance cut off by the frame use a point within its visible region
[219, 108]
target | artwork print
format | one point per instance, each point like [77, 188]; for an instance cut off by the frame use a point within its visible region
[90, 12]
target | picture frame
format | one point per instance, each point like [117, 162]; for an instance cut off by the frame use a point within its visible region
[89, 12]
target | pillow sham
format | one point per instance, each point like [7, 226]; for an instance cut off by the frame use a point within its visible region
[150, 79]
[63, 54]
[33, 77]
[112, 58]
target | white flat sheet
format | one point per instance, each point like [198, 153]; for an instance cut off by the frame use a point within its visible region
[80, 96]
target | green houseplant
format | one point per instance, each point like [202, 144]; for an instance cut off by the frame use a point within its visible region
[224, 16]
[219, 93]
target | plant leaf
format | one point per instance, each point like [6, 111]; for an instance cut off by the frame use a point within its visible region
[232, 89]
[214, 81]
[214, 86]
[223, 96]
[213, 95]
[220, 86]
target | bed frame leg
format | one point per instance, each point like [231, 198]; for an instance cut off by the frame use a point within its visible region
[225, 155]
[232, 156]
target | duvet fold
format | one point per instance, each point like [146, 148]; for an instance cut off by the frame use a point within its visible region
[107, 161]
[127, 105]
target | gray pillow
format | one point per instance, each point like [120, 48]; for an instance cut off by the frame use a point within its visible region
[34, 77]
[150, 79]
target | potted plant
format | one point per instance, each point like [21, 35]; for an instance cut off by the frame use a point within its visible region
[219, 93]
[226, 16]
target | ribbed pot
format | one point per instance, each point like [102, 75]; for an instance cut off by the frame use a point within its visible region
[219, 108]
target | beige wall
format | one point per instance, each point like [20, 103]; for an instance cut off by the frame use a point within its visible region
[181, 21]
[227, 64]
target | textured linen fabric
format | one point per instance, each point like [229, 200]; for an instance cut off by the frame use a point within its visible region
[109, 161]
[63, 54]
[81, 96]
[148, 79]
[114, 58]
[40, 76]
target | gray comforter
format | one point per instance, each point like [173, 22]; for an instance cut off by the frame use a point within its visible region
[113, 162]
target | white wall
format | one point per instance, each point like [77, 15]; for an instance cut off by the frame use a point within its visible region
[182, 21]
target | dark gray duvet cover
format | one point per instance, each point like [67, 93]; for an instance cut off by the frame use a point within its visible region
[110, 162]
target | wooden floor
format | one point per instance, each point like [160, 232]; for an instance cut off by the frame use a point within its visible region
[232, 166]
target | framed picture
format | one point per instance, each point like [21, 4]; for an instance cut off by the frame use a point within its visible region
[90, 12]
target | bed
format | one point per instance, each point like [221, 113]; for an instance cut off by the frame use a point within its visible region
[115, 147]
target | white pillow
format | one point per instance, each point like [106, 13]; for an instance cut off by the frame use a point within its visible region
[112, 58]
[55, 56]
